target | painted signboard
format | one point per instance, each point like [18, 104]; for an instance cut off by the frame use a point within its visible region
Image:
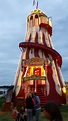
[34, 77]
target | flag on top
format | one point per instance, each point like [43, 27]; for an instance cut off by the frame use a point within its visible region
[33, 2]
[37, 5]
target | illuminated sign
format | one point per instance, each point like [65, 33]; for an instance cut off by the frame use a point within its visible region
[34, 77]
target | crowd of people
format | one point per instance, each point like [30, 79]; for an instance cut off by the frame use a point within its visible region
[32, 109]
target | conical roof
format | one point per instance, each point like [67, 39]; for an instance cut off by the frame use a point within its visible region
[38, 12]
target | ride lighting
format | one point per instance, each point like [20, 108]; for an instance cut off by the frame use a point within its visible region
[64, 89]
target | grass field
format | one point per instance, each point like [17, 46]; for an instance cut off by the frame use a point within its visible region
[1, 101]
[8, 116]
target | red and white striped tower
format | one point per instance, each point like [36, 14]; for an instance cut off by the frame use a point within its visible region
[39, 66]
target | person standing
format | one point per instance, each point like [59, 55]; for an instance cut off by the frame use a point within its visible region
[37, 106]
[52, 111]
[29, 106]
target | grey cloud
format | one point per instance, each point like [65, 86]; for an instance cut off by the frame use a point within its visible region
[13, 15]
[65, 68]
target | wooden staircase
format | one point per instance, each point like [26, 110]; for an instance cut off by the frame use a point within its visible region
[41, 92]
[42, 95]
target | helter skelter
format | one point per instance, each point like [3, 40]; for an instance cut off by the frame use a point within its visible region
[39, 66]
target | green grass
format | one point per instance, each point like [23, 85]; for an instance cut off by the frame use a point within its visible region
[64, 108]
[64, 112]
[8, 117]
[2, 100]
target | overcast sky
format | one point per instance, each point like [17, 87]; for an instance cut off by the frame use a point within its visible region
[13, 15]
